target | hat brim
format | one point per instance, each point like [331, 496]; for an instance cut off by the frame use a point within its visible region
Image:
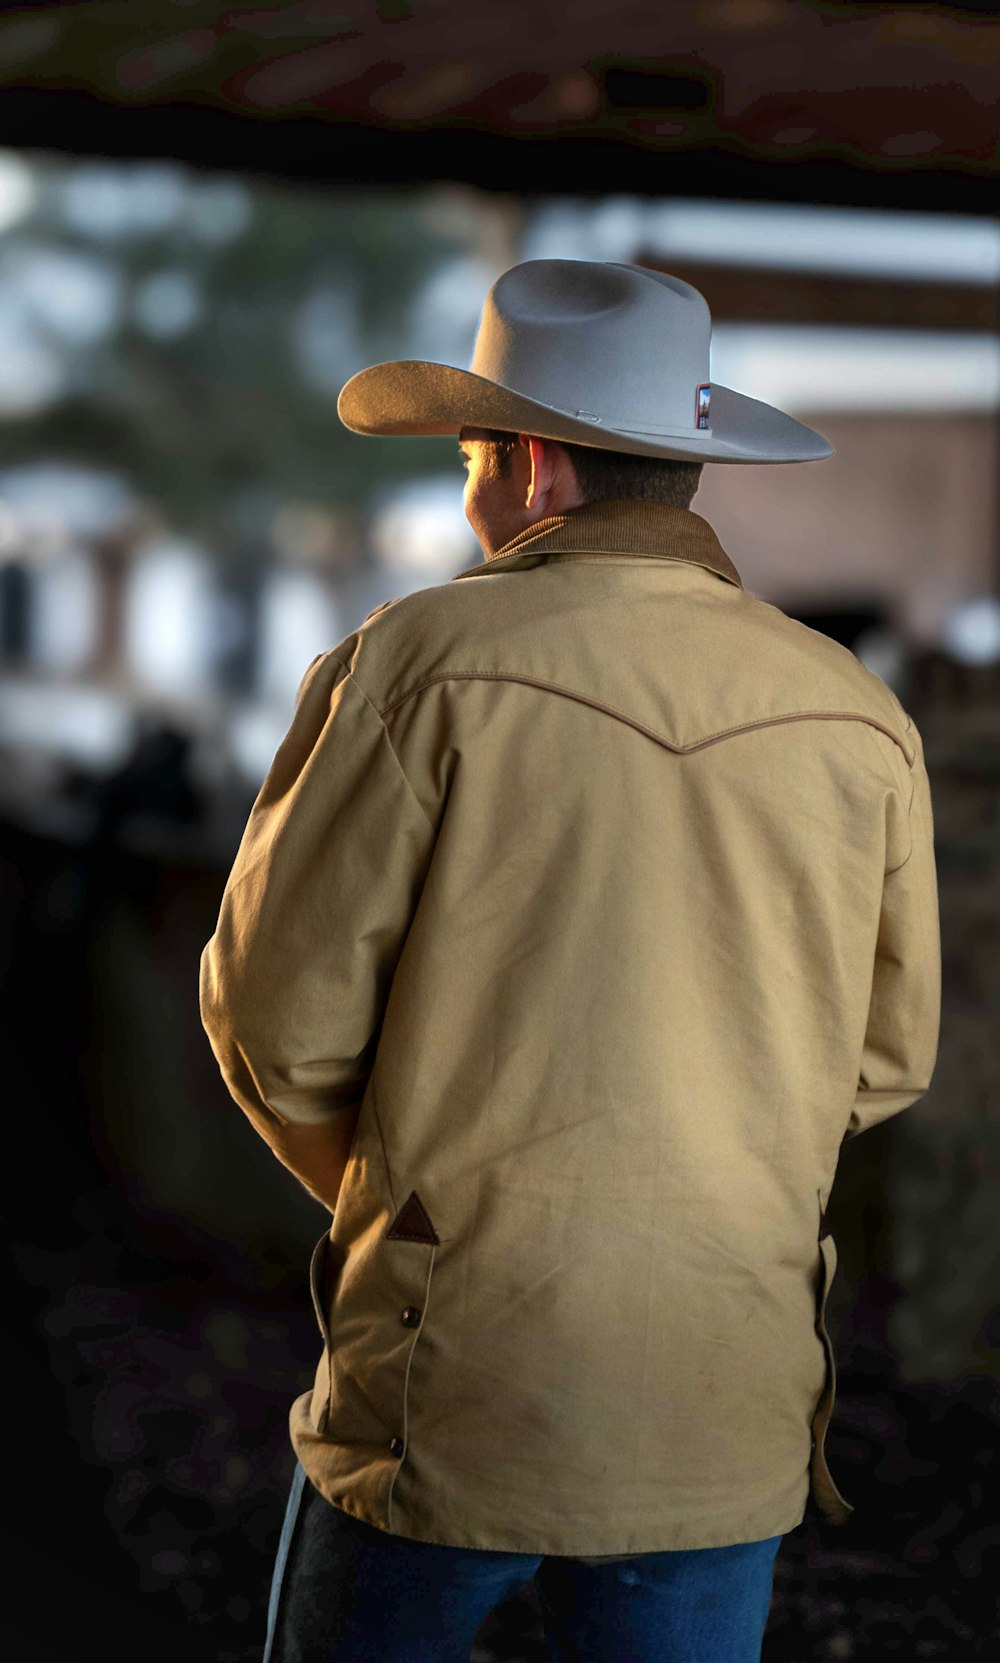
[415, 396]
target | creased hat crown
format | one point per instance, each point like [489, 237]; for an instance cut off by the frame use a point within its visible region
[572, 333]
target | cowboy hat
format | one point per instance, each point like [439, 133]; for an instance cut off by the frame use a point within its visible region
[591, 352]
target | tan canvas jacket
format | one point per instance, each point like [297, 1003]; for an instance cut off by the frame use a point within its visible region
[603, 895]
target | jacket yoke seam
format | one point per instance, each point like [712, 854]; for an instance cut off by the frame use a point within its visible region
[641, 727]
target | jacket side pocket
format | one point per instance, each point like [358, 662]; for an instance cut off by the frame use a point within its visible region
[825, 1492]
[319, 1288]
[318, 1285]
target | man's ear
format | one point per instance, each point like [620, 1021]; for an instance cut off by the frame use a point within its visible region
[541, 459]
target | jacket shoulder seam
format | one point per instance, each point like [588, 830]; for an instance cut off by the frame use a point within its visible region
[392, 749]
[642, 727]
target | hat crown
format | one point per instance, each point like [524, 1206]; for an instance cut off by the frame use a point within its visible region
[618, 344]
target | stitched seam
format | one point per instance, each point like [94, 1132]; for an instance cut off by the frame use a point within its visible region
[406, 1386]
[613, 555]
[909, 806]
[610, 710]
[419, 805]
[729, 575]
[891, 870]
[381, 1139]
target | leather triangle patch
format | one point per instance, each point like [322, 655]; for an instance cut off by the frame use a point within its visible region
[412, 1222]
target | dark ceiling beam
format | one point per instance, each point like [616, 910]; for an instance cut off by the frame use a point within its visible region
[324, 151]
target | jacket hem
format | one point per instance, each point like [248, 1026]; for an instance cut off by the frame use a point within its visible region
[754, 1524]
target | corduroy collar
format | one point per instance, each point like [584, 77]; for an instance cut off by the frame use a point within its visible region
[630, 526]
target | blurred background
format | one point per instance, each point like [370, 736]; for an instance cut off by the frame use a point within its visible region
[210, 218]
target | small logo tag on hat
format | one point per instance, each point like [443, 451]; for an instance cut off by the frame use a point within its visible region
[703, 406]
[588, 416]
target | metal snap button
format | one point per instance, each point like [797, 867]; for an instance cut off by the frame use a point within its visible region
[397, 1446]
[412, 1315]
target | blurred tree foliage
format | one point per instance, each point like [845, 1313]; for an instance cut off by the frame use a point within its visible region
[222, 419]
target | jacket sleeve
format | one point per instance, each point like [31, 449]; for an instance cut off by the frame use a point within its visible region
[901, 1041]
[295, 980]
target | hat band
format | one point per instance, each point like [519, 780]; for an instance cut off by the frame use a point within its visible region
[626, 425]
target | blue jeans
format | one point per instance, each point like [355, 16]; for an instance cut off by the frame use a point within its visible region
[345, 1592]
